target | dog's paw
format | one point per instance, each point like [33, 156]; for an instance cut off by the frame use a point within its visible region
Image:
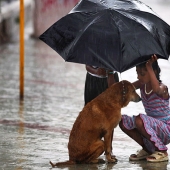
[112, 160]
[97, 161]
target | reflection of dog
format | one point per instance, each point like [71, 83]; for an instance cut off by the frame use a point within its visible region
[98, 119]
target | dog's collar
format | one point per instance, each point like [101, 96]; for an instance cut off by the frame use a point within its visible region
[123, 91]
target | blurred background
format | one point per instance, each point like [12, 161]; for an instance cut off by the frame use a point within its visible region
[40, 14]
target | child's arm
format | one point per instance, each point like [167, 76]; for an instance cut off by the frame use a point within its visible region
[96, 71]
[158, 88]
[102, 72]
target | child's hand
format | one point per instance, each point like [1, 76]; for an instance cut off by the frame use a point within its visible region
[149, 62]
[101, 72]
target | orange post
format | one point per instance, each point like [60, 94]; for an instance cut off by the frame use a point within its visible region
[21, 49]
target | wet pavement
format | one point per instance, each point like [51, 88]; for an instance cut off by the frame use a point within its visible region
[36, 130]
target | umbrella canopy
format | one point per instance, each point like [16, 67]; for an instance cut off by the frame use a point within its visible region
[113, 34]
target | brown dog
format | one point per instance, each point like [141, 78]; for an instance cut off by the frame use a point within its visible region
[96, 121]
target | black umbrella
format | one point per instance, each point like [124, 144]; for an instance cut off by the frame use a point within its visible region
[113, 34]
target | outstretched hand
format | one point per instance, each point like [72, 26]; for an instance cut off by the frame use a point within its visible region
[150, 61]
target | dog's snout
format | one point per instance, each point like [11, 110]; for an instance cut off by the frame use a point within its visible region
[137, 98]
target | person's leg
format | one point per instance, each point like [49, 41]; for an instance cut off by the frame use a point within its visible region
[141, 129]
[134, 134]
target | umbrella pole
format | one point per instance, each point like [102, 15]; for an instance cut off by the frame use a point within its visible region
[21, 49]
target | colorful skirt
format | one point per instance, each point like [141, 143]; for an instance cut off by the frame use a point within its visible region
[157, 129]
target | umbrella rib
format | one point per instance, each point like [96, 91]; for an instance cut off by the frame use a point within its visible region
[120, 46]
[101, 59]
[132, 17]
[93, 20]
[80, 34]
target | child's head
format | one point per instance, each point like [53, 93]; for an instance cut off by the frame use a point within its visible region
[143, 76]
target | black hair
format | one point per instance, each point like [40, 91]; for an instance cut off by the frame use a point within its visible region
[155, 67]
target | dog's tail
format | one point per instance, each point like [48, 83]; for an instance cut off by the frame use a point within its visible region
[62, 163]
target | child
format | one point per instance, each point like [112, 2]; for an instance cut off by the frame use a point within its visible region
[151, 131]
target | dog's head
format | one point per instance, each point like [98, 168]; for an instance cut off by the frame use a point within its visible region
[128, 93]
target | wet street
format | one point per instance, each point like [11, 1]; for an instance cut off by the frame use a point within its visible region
[36, 130]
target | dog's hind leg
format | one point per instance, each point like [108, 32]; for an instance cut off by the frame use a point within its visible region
[96, 149]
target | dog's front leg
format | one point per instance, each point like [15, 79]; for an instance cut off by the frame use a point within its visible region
[108, 147]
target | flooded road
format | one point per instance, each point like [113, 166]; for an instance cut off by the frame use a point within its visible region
[36, 130]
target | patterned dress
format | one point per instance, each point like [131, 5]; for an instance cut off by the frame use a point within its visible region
[156, 121]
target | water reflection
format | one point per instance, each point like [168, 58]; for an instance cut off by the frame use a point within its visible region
[21, 121]
[151, 166]
[109, 166]
[156, 166]
[20, 139]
